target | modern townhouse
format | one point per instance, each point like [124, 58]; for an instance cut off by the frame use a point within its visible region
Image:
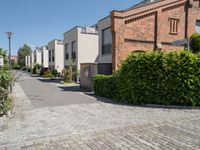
[37, 56]
[44, 57]
[152, 25]
[56, 55]
[80, 46]
[26, 61]
[32, 61]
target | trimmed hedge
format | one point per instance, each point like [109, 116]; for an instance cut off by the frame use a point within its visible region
[105, 86]
[154, 78]
[195, 42]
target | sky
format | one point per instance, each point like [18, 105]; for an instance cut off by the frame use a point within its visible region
[36, 22]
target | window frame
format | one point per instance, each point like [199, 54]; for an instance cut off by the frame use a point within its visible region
[174, 23]
[103, 51]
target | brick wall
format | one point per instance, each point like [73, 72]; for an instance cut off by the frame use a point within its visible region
[148, 27]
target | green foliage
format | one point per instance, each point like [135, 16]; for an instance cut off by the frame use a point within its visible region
[16, 66]
[6, 80]
[48, 74]
[195, 42]
[3, 54]
[157, 78]
[22, 53]
[105, 86]
[36, 69]
[67, 73]
[29, 69]
[54, 72]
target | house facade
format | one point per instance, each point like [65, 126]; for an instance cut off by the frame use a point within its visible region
[37, 56]
[152, 25]
[56, 61]
[32, 60]
[44, 57]
[80, 46]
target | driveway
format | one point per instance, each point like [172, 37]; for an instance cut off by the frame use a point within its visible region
[77, 121]
[46, 93]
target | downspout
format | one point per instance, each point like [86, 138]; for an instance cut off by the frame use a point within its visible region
[156, 31]
[186, 18]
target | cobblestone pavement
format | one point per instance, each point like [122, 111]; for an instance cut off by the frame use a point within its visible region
[98, 126]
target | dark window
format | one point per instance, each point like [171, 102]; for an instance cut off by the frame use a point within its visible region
[42, 58]
[73, 50]
[173, 25]
[198, 26]
[106, 41]
[53, 55]
[66, 51]
[49, 55]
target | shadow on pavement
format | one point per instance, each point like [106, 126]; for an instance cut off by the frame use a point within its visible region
[71, 88]
[50, 80]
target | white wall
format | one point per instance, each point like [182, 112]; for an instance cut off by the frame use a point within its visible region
[32, 60]
[58, 63]
[88, 47]
[103, 24]
[69, 37]
[38, 57]
[26, 61]
[45, 55]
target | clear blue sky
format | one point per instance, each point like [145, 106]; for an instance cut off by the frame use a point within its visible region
[36, 22]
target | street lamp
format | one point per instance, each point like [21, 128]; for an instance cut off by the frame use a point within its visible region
[9, 34]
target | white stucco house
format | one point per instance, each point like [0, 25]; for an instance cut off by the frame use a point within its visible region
[56, 55]
[44, 57]
[37, 56]
[80, 46]
[26, 61]
[32, 60]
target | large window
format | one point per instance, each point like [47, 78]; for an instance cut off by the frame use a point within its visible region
[106, 41]
[49, 55]
[53, 55]
[173, 25]
[198, 26]
[66, 51]
[73, 50]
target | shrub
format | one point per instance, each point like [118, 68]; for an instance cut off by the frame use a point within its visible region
[54, 72]
[48, 74]
[36, 69]
[67, 74]
[155, 78]
[16, 66]
[195, 42]
[29, 70]
[105, 86]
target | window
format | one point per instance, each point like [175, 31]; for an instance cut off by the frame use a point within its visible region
[73, 50]
[198, 26]
[66, 51]
[53, 55]
[173, 26]
[49, 55]
[42, 57]
[106, 41]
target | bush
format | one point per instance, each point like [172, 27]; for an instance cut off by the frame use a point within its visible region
[54, 72]
[36, 69]
[105, 86]
[16, 66]
[29, 70]
[155, 78]
[195, 42]
[67, 74]
[48, 74]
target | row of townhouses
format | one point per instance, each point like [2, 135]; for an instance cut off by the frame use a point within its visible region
[149, 25]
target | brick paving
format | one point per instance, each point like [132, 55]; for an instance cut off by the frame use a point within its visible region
[98, 126]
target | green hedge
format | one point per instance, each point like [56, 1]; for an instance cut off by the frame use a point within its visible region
[105, 86]
[155, 78]
[195, 42]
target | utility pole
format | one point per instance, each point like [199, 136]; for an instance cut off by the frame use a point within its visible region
[9, 34]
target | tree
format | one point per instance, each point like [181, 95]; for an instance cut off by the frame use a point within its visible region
[22, 53]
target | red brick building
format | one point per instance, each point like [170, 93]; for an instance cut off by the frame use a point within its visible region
[152, 25]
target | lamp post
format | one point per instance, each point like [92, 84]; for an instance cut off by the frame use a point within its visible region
[9, 34]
